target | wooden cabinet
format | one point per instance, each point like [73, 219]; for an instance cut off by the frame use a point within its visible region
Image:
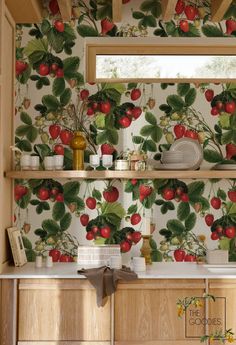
[61, 310]
[7, 80]
[146, 311]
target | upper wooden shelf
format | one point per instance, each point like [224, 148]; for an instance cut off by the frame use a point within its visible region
[111, 174]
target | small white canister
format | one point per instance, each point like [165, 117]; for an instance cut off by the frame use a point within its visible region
[217, 257]
[122, 164]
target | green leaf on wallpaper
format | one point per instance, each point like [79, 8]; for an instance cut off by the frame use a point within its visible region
[51, 102]
[212, 31]
[149, 145]
[212, 156]
[96, 194]
[71, 64]
[231, 12]
[175, 226]
[147, 130]
[100, 121]
[55, 39]
[116, 86]
[138, 14]
[200, 199]
[228, 137]
[58, 86]
[42, 150]
[157, 134]
[231, 86]
[183, 89]
[156, 9]
[58, 210]
[45, 26]
[109, 135]
[183, 210]
[147, 5]
[24, 77]
[132, 209]
[233, 121]
[22, 130]
[137, 139]
[149, 201]
[87, 31]
[231, 208]
[30, 254]
[113, 95]
[164, 208]
[65, 222]
[175, 102]
[224, 121]
[39, 46]
[148, 21]
[224, 243]
[196, 188]
[132, 86]
[190, 97]
[105, 11]
[190, 221]
[32, 134]
[24, 145]
[69, 33]
[113, 219]
[150, 118]
[221, 194]
[65, 97]
[39, 208]
[41, 233]
[166, 233]
[71, 189]
[26, 242]
[50, 226]
[113, 207]
[170, 27]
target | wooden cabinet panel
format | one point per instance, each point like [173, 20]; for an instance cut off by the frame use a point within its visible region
[146, 310]
[7, 51]
[225, 306]
[61, 310]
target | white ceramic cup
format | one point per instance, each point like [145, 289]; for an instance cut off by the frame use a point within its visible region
[94, 161]
[49, 262]
[25, 162]
[107, 161]
[39, 261]
[58, 162]
[138, 264]
[49, 163]
[115, 261]
[35, 162]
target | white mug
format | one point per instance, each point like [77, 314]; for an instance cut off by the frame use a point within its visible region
[38, 261]
[34, 162]
[115, 262]
[58, 162]
[49, 262]
[49, 163]
[138, 264]
[107, 161]
[25, 162]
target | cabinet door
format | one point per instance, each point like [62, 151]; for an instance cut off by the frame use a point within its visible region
[225, 306]
[61, 310]
[146, 311]
[7, 97]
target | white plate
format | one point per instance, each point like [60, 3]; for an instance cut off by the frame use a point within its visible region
[229, 265]
[192, 150]
[173, 166]
[224, 167]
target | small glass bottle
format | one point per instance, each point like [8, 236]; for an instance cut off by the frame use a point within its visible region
[78, 145]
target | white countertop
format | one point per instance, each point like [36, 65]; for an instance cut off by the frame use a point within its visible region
[160, 270]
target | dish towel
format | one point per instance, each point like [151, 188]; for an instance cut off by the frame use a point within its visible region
[104, 280]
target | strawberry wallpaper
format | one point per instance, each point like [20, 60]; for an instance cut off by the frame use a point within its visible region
[52, 101]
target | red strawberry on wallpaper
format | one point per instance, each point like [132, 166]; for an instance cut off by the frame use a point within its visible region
[230, 26]
[111, 194]
[107, 26]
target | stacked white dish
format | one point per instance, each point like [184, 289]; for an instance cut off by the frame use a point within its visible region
[97, 255]
[184, 154]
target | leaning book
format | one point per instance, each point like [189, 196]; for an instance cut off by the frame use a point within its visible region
[17, 246]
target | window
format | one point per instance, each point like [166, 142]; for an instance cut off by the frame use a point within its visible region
[161, 60]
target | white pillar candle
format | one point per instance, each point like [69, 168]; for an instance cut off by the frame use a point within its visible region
[146, 226]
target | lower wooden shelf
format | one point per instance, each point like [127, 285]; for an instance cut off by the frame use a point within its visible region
[111, 174]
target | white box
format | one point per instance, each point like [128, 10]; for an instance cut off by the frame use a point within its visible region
[96, 255]
[217, 256]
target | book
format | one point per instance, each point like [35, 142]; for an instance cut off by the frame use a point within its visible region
[17, 246]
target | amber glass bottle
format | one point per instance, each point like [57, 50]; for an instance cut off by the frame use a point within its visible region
[78, 145]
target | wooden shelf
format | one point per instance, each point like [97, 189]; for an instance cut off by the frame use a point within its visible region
[110, 174]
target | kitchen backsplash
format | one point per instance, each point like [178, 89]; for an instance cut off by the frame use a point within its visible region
[50, 92]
